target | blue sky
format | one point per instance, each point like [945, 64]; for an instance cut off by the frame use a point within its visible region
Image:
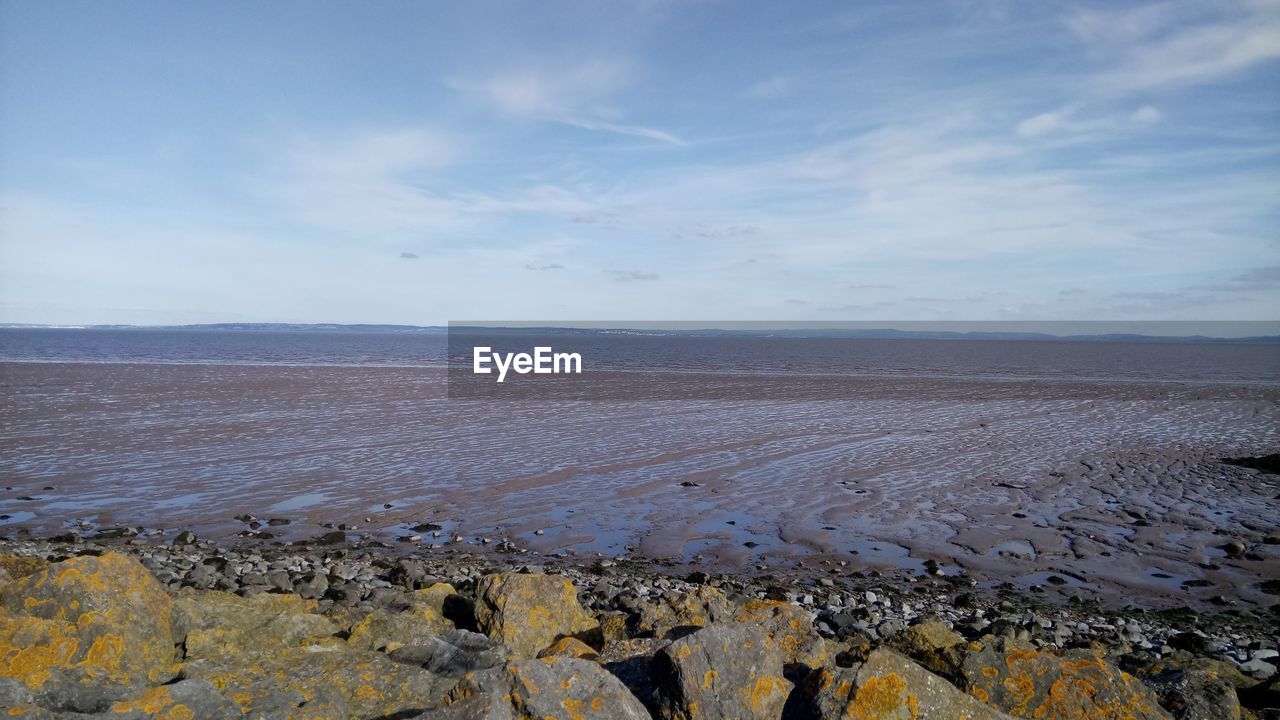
[419, 162]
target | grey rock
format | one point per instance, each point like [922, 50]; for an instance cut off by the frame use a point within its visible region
[721, 671]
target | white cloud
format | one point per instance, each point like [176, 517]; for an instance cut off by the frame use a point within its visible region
[1146, 115]
[568, 96]
[1040, 124]
[774, 86]
[1170, 44]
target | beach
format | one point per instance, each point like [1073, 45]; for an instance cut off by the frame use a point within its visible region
[1112, 490]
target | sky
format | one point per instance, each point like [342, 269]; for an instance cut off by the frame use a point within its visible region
[420, 162]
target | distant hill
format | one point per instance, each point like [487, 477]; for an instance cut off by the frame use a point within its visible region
[851, 333]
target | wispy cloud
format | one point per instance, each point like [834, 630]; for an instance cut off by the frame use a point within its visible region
[632, 275]
[566, 95]
[1179, 43]
[544, 268]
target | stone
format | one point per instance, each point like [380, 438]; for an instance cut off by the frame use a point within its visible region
[215, 623]
[292, 683]
[382, 630]
[185, 699]
[87, 630]
[1194, 693]
[20, 566]
[631, 661]
[528, 612]
[889, 686]
[935, 646]
[788, 628]
[613, 626]
[1025, 682]
[721, 671]
[274, 656]
[697, 608]
[553, 688]
[569, 647]
[453, 654]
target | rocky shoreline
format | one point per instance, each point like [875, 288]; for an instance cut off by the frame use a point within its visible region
[127, 627]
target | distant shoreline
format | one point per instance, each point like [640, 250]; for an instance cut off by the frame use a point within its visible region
[881, 333]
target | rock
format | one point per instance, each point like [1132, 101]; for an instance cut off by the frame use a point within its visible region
[613, 626]
[889, 686]
[319, 681]
[213, 623]
[529, 612]
[570, 647]
[1258, 669]
[935, 646]
[382, 630]
[697, 608]
[1194, 693]
[86, 631]
[273, 656]
[721, 671]
[631, 661]
[788, 628]
[454, 653]
[1025, 682]
[20, 566]
[187, 699]
[554, 688]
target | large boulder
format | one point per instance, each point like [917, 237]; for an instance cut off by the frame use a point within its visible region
[721, 671]
[212, 623]
[1077, 685]
[528, 612]
[699, 607]
[187, 699]
[789, 630]
[453, 654]
[275, 657]
[935, 646]
[889, 686]
[424, 618]
[86, 631]
[552, 688]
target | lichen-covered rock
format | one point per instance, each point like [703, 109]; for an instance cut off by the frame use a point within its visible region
[293, 683]
[613, 626]
[553, 688]
[1193, 693]
[183, 700]
[721, 671]
[528, 612]
[935, 646]
[569, 647]
[274, 656]
[1077, 685]
[889, 686]
[453, 654]
[697, 608]
[382, 630]
[86, 630]
[788, 628]
[631, 661]
[211, 623]
[20, 566]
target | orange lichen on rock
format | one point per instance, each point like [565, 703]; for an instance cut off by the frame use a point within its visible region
[528, 612]
[101, 620]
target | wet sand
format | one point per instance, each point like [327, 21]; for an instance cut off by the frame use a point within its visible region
[1116, 489]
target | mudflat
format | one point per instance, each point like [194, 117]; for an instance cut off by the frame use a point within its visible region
[1114, 490]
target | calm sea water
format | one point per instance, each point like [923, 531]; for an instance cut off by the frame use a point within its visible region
[1203, 362]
